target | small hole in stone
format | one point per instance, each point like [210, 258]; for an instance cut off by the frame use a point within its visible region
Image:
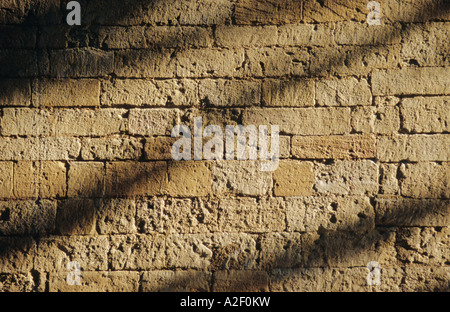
[5, 215]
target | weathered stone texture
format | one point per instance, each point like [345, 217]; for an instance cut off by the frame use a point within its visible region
[267, 12]
[414, 148]
[288, 93]
[15, 92]
[412, 81]
[87, 175]
[6, 179]
[241, 281]
[349, 92]
[412, 212]
[91, 281]
[149, 93]
[293, 178]
[425, 180]
[425, 115]
[26, 217]
[347, 177]
[135, 178]
[229, 93]
[66, 92]
[381, 120]
[333, 147]
[307, 121]
[349, 214]
[240, 177]
[54, 253]
[176, 281]
[114, 148]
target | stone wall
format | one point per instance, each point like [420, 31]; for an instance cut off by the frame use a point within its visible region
[87, 176]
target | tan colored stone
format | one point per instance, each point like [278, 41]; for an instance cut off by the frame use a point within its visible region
[101, 122]
[45, 179]
[243, 215]
[425, 114]
[86, 179]
[15, 92]
[39, 148]
[159, 148]
[55, 252]
[340, 249]
[140, 92]
[334, 147]
[426, 44]
[422, 10]
[334, 11]
[17, 282]
[140, 37]
[116, 216]
[198, 12]
[359, 177]
[353, 60]
[412, 212]
[25, 121]
[386, 100]
[52, 179]
[240, 177]
[343, 92]
[293, 178]
[229, 93]
[176, 215]
[241, 281]
[135, 178]
[188, 179]
[285, 146]
[305, 35]
[77, 93]
[246, 36]
[27, 217]
[250, 12]
[137, 252]
[210, 62]
[17, 254]
[333, 280]
[84, 63]
[91, 281]
[423, 245]
[277, 62]
[370, 119]
[281, 250]
[425, 180]
[221, 251]
[414, 148]
[311, 214]
[220, 116]
[144, 63]
[389, 184]
[26, 179]
[114, 148]
[176, 281]
[152, 121]
[302, 121]
[76, 217]
[412, 81]
[353, 33]
[436, 278]
[6, 179]
[288, 93]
